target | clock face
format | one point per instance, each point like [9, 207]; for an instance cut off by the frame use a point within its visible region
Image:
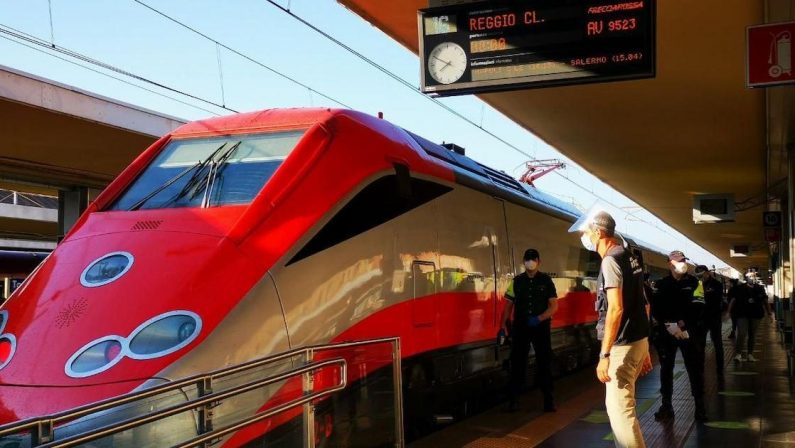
[447, 62]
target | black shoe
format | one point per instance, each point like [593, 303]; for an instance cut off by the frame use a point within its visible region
[665, 413]
[550, 407]
[700, 415]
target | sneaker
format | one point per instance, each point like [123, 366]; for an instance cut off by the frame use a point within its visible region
[751, 358]
[665, 413]
[739, 357]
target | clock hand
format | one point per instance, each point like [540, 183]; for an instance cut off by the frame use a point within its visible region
[442, 60]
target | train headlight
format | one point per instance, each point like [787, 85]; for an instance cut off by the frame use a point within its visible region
[95, 357]
[106, 269]
[158, 336]
[164, 334]
[8, 342]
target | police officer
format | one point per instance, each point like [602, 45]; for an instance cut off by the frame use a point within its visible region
[713, 315]
[678, 319]
[532, 301]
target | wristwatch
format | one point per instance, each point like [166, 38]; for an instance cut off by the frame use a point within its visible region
[604, 355]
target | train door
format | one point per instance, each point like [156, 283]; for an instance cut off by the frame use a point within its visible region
[424, 279]
[502, 258]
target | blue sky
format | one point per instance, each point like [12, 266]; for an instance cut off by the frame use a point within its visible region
[127, 35]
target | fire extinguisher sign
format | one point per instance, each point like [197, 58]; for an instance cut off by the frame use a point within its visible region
[769, 54]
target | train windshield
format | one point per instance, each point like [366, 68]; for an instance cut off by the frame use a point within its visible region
[208, 172]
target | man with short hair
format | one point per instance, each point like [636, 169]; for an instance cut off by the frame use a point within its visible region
[678, 308]
[623, 326]
[713, 315]
[532, 300]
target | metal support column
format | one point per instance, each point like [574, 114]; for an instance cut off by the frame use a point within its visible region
[309, 407]
[790, 242]
[71, 204]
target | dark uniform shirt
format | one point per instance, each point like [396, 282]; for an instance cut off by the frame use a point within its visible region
[620, 269]
[749, 302]
[530, 296]
[674, 300]
[713, 298]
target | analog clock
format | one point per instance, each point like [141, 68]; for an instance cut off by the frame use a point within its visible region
[447, 62]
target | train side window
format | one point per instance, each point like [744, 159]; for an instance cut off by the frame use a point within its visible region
[424, 276]
[379, 202]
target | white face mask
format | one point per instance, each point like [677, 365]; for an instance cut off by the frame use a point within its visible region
[680, 267]
[587, 243]
[531, 265]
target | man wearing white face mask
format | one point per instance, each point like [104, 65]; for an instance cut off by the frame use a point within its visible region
[623, 326]
[531, 299]
[678, 308]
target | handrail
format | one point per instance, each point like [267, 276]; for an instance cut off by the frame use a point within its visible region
[42, 428]
[124, 425]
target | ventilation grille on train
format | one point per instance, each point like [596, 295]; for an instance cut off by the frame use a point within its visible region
[146, 225]
[500, 178]
[454, 155]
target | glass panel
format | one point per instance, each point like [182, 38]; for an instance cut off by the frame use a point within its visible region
[96, 357]
[165, 432]
[163, 335]
[362, 414]
[234, 167]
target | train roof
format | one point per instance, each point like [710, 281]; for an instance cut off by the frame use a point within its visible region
[467, 171]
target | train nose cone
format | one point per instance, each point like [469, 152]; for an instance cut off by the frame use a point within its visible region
[111, 315]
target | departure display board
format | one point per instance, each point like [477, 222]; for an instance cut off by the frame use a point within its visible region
[506, 45]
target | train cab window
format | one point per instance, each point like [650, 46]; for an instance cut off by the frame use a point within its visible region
[381, 201]
[208, 172]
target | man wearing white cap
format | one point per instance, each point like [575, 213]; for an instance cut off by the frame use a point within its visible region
[623, 326]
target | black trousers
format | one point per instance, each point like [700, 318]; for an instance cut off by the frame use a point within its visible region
[715, 330]
[692, 351]
[541, 338]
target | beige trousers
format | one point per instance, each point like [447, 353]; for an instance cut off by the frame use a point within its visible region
[625, 364]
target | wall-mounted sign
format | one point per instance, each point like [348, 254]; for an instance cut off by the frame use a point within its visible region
[713, 208]
[771, 219]
[769, 54]
[498, 45]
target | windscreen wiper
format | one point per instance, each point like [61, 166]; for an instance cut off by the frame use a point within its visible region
[199, 166]
[218, 167]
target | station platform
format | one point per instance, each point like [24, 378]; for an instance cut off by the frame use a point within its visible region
[755, 409]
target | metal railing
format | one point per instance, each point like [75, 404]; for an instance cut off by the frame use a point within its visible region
[28, 199]
[41, 430]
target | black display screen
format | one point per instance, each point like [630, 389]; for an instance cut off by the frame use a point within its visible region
[496, 45]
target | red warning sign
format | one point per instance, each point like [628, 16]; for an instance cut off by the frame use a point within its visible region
[769, 54]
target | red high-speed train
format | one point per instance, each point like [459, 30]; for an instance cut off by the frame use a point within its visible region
[238, 237]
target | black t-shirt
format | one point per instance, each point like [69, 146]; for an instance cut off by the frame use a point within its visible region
[620, 269]
[674, 301]
[750, 302]
[530, 296]
[713, 298]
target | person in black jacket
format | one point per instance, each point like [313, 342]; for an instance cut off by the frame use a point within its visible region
[678, 324]
[713, 315]
[750, 305]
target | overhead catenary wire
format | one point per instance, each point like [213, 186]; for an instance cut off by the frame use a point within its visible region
[122, 80]
[241, 54]
[5, 29]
